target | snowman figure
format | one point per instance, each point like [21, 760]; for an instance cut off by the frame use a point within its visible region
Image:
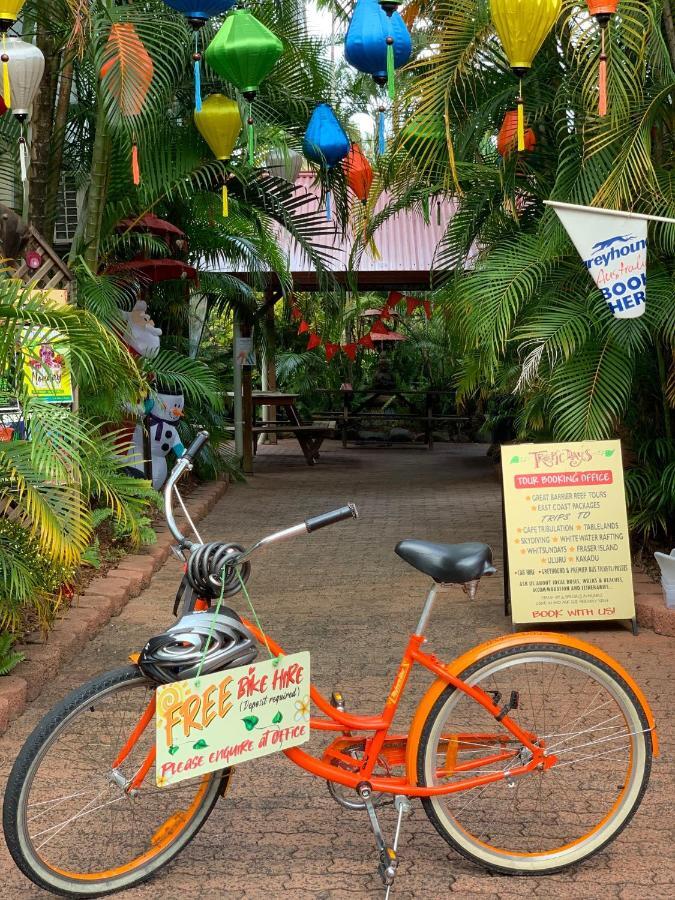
[163, 411]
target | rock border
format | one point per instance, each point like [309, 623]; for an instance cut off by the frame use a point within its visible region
[103, 598]
[650, 605]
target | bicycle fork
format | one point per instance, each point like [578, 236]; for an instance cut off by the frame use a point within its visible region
[388, 859]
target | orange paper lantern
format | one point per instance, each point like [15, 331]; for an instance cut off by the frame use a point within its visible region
[507, 138]
[359, 172]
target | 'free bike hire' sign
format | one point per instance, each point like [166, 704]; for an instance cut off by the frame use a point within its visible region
[567, 532]
[220, 720]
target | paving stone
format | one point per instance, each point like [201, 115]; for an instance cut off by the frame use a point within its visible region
[343, 594]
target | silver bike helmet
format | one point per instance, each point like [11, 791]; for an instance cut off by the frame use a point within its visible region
[177, 653]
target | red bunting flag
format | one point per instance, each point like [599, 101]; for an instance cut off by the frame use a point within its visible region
[367, 342]
[411, 304]
[379, 328]
[296, 313]
[303, 327]
[350, 350]
[394, 298]
[427, 308]
[331, 350]
[314, 342]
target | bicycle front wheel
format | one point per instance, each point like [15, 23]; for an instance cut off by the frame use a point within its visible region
[543, 821]
[70, 824]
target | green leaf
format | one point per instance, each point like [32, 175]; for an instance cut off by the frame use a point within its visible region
[250, 722]
[200, 745]
[277, 718]
[173, 749]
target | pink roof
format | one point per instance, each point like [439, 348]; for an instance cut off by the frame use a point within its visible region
[405, 245]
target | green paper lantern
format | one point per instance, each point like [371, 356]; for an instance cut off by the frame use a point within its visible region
[244, 52]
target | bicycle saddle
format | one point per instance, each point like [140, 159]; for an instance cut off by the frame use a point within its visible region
[448, 563]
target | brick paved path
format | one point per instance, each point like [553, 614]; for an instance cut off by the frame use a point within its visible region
[343, 594]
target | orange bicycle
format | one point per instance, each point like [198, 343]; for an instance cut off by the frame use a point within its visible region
[530, 752]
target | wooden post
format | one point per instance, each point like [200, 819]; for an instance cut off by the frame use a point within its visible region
[269, 368]
[247, 409]
[236, 390]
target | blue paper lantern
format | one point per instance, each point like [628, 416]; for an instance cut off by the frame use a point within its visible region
[198, 11]
[370, 35]
[325, 141]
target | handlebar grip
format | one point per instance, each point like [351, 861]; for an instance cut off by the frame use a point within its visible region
[193, 450]
[330, 518]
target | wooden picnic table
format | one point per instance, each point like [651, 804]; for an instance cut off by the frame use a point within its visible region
[309, 436]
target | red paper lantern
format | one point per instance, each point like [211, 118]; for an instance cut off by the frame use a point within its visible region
[508, 135]
[359, 172]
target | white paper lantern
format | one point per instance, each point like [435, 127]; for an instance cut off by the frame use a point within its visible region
[26, 66]
[284, 164]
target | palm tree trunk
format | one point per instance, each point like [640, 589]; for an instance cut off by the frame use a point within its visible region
[41, 128]
[58, 141]
[100, 163]
[669, 27]
[663, 378]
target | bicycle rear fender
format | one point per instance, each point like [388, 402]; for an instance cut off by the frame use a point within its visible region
[511, 640]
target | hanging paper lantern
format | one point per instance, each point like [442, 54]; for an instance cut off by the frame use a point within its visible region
[522, 26]
[602, 10]
[244, 52]
[9, 13]
[126, 73]
[25, 66]
[359, 172]
[219, 123]
[284, 164]
[197, 12]
[376, 44]
[507, 137]
[325, 141]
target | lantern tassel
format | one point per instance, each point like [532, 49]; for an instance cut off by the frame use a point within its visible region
[381, 144]
[391, 86]
[198, 87]
[23, 157]
[251, 137]
[602, 79]
[226, 210]
[6, 90]
[521, 119]
[328, 210]
[135, 168]
[198, 75]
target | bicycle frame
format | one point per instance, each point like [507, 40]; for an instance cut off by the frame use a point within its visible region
[335, 720]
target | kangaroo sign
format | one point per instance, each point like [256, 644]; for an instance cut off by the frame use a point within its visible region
[613, 246]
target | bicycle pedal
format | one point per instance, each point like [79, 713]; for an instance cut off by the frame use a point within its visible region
[387, 866]
[337, 700]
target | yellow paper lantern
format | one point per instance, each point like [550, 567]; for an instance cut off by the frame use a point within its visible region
[9, 13]
[219, 123]
[522, 26]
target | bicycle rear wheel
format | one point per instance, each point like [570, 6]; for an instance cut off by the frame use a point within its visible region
[543, 821]
[69, 823]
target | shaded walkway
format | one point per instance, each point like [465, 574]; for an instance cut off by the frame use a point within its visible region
[342, 594]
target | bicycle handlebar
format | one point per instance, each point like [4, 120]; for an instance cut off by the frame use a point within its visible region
[307, 527]
[329, 518]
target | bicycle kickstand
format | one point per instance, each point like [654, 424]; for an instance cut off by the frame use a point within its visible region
[388, 858]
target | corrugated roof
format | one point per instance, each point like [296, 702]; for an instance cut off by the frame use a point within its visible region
[405, 246]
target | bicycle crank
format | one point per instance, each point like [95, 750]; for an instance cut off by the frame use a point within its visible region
[388, 859]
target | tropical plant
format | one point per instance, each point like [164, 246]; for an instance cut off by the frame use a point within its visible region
[9, 658]
[520, 306]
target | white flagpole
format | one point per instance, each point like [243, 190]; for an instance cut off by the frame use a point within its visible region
[614, 212]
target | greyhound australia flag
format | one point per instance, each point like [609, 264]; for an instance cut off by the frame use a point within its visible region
[613, 247]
